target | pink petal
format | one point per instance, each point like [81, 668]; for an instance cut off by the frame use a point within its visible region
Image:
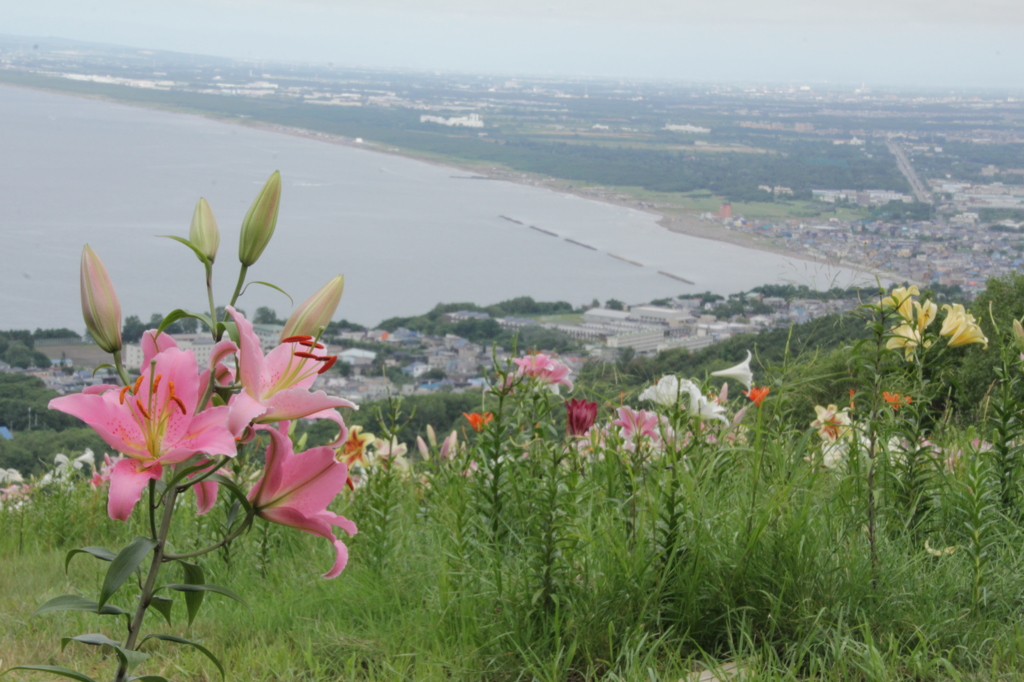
[206, 492]
[127, 479]
[310, 481]
[279, 451]
[250, 355]
[295, 403]
[341, 522]
[178, 368]
[153, 344]
[206, 433]
[97, 389]
[243, 410]
[206, 496]
[282, 362]
[220, 351]
[112, 421]
[333, 415]
[315, 525]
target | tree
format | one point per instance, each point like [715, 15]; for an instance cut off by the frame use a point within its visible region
[614, 304]
[265, 315]
[132, 329]
[19, 355]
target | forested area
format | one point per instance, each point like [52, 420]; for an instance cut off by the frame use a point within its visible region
[800, 164]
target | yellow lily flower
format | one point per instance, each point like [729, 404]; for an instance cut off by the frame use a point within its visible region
[961, 327]
[908, 338]
[901, 298]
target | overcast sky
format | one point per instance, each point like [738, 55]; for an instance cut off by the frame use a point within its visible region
[955, 43]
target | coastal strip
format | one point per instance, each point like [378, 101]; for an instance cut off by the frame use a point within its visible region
[626, 260]
[676, 277]
[471, 177]
[585, 246]
[540, 229]
[511, 220]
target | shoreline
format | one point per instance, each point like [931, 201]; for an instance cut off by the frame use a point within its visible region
[678, 222]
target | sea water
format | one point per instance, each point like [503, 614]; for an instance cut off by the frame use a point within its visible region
[406, 234]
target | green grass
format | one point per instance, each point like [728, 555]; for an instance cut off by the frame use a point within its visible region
[532, 557]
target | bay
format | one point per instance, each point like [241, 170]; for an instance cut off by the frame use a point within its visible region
[406, 234]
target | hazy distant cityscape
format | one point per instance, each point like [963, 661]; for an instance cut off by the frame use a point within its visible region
[927, 185]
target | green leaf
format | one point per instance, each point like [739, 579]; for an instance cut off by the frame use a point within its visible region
[163, 605]
[130, 659]
[101, 553]
[272, 286]
[195, 249]
[91, 639]
[231, 328]
[72, 602]
[233, 488]
[178, 314]
[180, 474]
[105, 365]
[206, 588]
[181, 640]
[193, 574]
[53, 670]
[123, 565]
[148, 678]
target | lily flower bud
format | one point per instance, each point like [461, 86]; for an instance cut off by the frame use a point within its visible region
[260, 221]
[100, 307]
[203, 233]
[316, 312]
[1018, 333]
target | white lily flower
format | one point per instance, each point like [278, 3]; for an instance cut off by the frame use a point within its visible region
[740, 372]
[701, 407]
[62, 466]
[10, 476]
[668, 390]
[86, 457]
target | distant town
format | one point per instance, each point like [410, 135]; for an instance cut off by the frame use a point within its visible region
[375, 363]
[926, 185]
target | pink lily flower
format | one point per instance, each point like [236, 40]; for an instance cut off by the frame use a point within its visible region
[545, 369]
[276, 386]
[295, 490]
[102, 475]
[637, 423]
[154, 422]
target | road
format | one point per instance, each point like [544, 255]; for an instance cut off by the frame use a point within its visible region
[921, 192]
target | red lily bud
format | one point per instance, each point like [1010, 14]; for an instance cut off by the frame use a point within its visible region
[316, 312]
[100, 307]
[260, 221]
[203, 233]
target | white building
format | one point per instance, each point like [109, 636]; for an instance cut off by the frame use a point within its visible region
[471, 121]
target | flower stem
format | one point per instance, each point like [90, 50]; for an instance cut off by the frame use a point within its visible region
[229, 538]
[238, 287]
[757, 470]
[119, 366]
[209, 297]
[147, 589]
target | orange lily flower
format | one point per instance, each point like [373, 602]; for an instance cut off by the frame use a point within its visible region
[757, 394]
[896, 400]
[477, 420]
